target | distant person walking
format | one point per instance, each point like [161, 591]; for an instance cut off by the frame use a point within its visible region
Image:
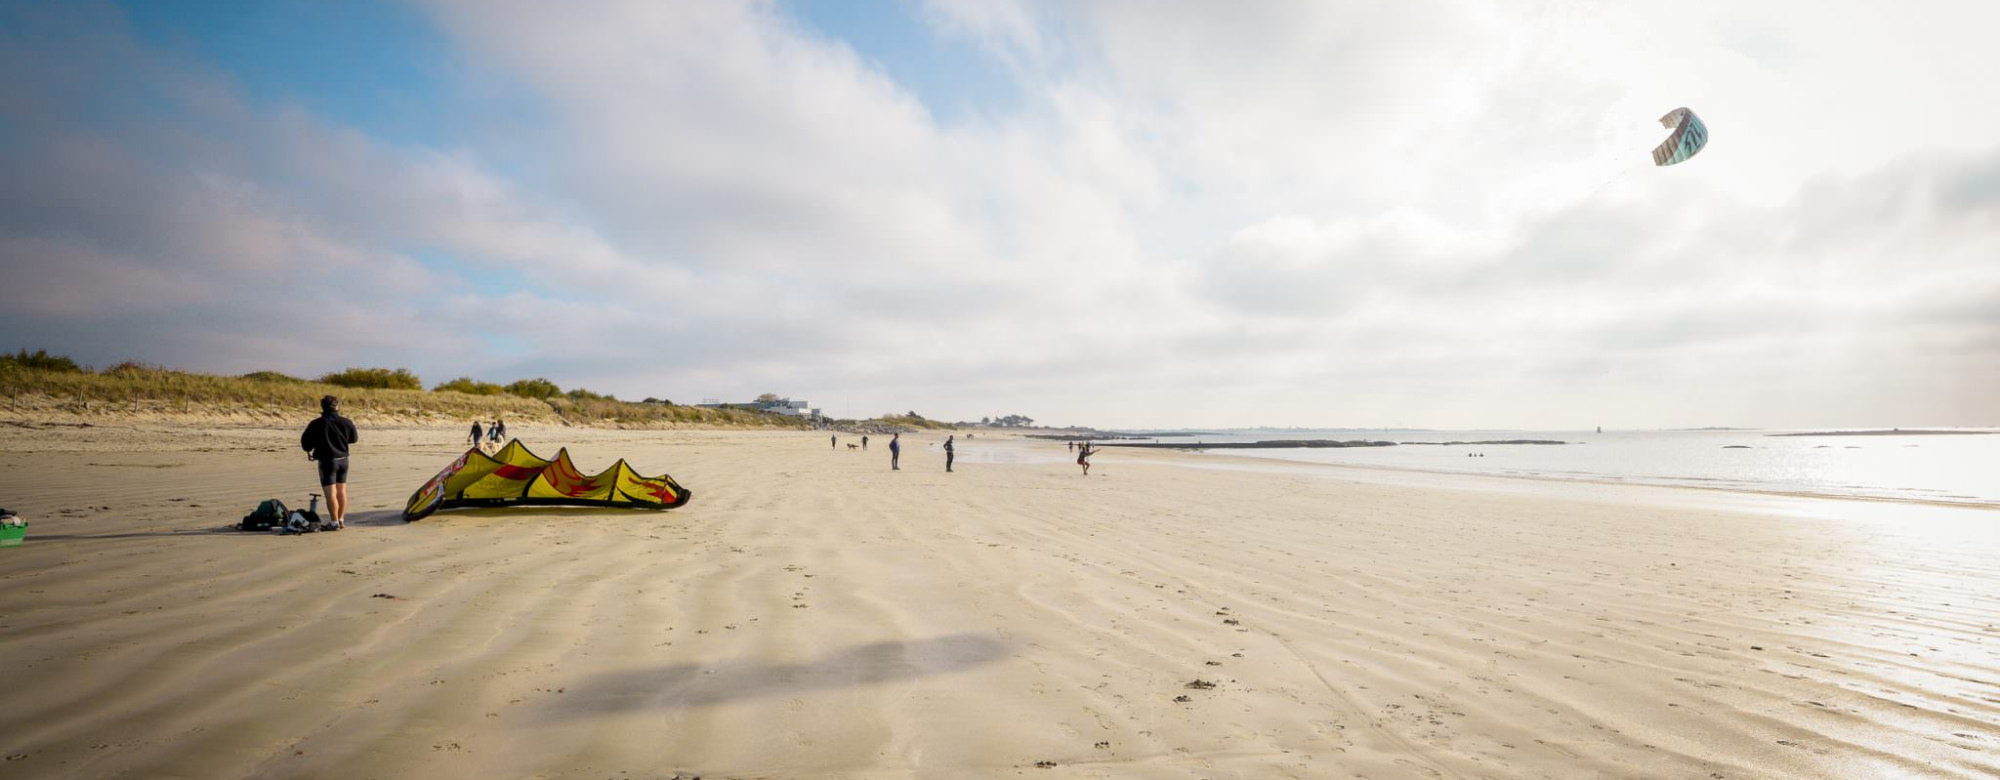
[478, 434]
[833, 442]
[947, 454]
[864, 444]
[499, 431]
[1072, 445]
[1083, 457]
[325, 441]
[895, 451]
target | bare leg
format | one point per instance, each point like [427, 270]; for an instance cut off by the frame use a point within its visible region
[336, 502]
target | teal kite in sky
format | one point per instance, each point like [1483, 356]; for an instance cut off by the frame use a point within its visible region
[1689, 136]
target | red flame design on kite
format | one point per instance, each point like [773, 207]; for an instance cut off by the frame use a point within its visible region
[659, 492]
[517, 472]
[565, 479]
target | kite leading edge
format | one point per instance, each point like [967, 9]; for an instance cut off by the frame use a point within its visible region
[1689, 136]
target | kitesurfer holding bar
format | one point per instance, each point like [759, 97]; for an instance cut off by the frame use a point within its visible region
[1083, 457]
[325, 441]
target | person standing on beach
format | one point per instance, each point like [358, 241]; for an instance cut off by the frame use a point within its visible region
[864, 444]
[947, 454]
[1083, 458]
[895, 451]
[833, 442]
[477, 437]
[499, 430]
[325, 441]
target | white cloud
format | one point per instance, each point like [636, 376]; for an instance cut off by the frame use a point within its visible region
[1436, 212]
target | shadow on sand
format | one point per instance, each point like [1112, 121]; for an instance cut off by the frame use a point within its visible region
[493, 514]
[700, 685]
[380, 517]
[377, 517]
[34, 538]
[374, 518]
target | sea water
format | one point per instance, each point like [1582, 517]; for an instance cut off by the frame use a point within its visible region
[1949, 468]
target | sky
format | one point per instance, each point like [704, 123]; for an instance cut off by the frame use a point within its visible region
[1114, 213]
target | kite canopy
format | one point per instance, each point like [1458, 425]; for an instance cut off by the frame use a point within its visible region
[515, 476]
[1689, 136]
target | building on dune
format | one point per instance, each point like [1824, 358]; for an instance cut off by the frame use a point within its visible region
[772, 405]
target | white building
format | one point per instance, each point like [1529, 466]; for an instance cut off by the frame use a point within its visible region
[784, 406]
[787, 406]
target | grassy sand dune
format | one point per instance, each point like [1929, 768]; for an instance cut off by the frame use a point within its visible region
[148, 393]
[813, 614]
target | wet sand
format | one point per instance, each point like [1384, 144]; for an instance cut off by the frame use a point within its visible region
[813, 614]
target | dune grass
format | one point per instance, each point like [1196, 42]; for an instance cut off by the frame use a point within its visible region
[138, 388]
[913, 421]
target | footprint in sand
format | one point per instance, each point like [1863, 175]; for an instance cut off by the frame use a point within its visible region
[1560, 750]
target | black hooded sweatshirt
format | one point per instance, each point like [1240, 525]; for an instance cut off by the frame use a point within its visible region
[327, 437]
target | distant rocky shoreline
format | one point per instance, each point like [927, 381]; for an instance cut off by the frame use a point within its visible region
[1311, 444]
[1890, 432]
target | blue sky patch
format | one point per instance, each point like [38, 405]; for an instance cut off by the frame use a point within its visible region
[373, 64]
[951, 77]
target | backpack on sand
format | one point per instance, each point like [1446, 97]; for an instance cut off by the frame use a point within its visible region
[268, 515]
[303, 521]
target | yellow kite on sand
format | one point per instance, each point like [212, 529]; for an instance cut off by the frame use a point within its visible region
[514, 476]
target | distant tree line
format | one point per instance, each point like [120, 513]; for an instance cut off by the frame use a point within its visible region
[378, 378]
[40, 360]
[538, 388]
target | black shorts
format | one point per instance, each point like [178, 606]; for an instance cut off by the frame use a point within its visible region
[333, 471]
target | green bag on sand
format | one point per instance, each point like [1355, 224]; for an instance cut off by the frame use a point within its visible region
[268, 515]
[13, 530]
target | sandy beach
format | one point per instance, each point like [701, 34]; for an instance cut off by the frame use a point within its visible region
[812, 614]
